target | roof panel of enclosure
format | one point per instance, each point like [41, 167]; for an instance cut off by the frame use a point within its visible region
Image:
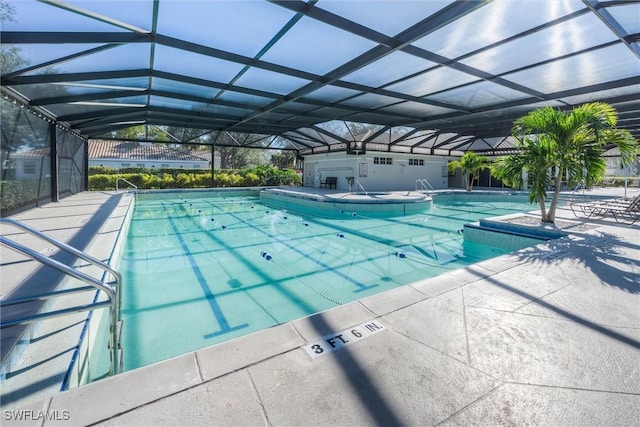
[433, 74]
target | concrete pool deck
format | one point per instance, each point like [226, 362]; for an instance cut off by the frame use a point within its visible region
[548, 335]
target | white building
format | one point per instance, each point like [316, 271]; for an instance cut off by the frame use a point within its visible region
[614, 168]
[381, 166]
[376, 171]
[27, 165]
[120, 154]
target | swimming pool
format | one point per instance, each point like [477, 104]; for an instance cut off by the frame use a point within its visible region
[202, 268]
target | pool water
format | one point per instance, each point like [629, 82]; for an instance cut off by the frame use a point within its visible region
[200, 268]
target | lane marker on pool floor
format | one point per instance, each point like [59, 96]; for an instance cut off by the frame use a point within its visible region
[336, 341]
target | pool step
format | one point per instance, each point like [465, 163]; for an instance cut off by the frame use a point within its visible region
[506, 236]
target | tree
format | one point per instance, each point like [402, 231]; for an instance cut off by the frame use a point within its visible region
[283, 159]
[471, 164]
[141, 132]
[191, 138]
[555, 143]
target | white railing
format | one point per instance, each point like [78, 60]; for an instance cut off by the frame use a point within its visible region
[135, 191]
[423, 184]
[580, 186]
[111, 290]
[361, 187]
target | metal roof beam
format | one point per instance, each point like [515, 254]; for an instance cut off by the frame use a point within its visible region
[73, 77]
[62, 60]
[87, 97]
[404, 137]
[376, 134]
[65, 37]
[603, 14]
[93, 15]
[305, 137]
[446, 141]
[98, 114]
[329, 134]
[296, 143]
[435, 121]
[425, 139]
[428, 25]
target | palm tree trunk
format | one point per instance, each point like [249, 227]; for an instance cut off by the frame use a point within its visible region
[543, 210]
[556, 196]
[469, 181]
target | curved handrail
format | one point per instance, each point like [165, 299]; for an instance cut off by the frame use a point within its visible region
[112, 291]
[128, 182]
[425, 184]
[116, 275]
[361, 187]
[105, 287]
[580, 186]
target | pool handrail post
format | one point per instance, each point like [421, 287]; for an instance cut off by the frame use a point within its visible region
[424, 183]
[580, 186]
[112, 291]
[135, 191]
[361, 187]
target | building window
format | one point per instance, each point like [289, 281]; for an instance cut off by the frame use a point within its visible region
[416, 162]
[140, 165]
[164, 165]
[29, 168]
[125, 165]
[382, 160]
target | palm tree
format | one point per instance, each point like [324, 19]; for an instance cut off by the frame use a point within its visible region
[555, 143]
[471, 164]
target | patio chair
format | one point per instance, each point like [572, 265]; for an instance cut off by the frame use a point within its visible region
[329, 182]
[629, 214]
[623, 210]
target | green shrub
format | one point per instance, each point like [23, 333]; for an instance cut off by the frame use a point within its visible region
[101, 178]
[102, 182]
[150, 181]
[16, 194]
[101, 170]
[251, 179]
[221, 180]
[183, 180]
[167, 181]
[202, 180]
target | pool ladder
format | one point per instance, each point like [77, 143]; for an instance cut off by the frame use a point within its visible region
[135, 191]
[423, 184]
[361, 187]
[110, 289]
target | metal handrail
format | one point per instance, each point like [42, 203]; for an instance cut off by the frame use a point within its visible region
[425, 184]
[112, 291]
[580, 186]
[128, 182]
[361, 187]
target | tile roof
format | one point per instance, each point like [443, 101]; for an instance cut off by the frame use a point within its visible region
[135, 150]
[38, 152]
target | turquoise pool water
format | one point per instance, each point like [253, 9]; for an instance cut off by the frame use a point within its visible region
[201, 268]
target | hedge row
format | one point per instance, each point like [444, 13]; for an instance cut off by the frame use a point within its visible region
[180, 178]
[16, 194]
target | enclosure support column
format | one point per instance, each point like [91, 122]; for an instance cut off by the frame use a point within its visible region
[53, 156]
[213, 164]
[86, 165]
